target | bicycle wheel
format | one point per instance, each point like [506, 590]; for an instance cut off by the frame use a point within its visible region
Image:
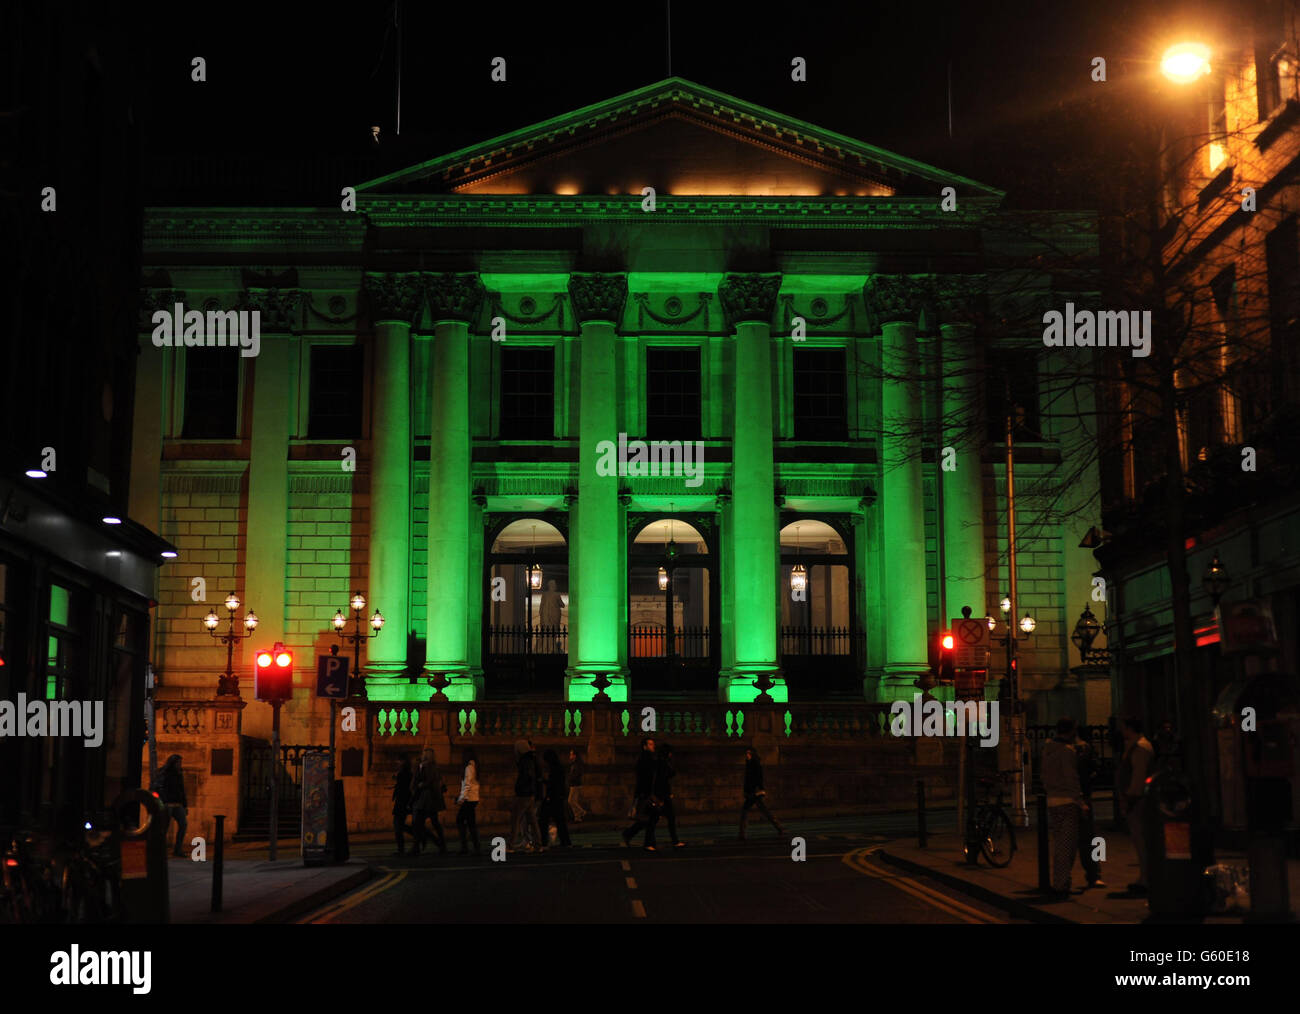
[996, 836]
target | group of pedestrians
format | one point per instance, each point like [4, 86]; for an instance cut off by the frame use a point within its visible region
[422, 794]
[1069, 768]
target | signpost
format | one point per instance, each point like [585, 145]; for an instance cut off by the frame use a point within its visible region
[331, 683]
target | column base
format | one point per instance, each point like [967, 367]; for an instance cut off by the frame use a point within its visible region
[740, 685]
[898, 682]
[579, 682]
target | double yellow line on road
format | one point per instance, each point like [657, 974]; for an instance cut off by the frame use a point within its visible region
[353, 900]
[859, 860]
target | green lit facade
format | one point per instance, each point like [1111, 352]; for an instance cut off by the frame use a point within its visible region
[800, 303]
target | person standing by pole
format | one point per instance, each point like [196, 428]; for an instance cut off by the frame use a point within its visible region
[1088, 771]
[1134, 767]
[1065, 802]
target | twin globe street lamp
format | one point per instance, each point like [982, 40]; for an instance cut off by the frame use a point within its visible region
[228, 682]
[356, 684]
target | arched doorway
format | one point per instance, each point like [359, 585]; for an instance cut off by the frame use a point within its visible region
[526, 609]
[672, 606]
[820, 644]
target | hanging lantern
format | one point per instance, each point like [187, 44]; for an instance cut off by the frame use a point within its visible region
[798, 578]
[663, 579]
[535, 576]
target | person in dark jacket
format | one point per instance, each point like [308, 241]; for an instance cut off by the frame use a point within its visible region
[665, 772]
[428, 803]
[524, 805]
[646, 806]
[557, 793]
[171, 790]
[755, 793]
[402, 806]
[575, 787]
[1089, 769]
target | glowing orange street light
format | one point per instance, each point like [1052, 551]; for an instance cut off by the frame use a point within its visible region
[1184, 62]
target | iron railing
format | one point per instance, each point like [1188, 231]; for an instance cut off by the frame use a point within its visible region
[821, 641]
[650, 640]
[524, 640]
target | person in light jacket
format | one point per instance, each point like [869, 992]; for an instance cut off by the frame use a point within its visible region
[1065, 802]
[466, 826]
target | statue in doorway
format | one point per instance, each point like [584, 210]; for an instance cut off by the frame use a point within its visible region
[550, 613]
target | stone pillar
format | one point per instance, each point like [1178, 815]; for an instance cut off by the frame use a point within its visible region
[896, 301]
[146, 436]
[596, 529]
[266, 553]
[395, 301]
[454, 582]
[961, 472]
[749, 301]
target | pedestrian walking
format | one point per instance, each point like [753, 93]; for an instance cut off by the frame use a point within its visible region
[665, 772]
[402, 805]
[524, 804]
[1060, 775]
[1134, 767]
[755, 793]
[538, 830]
[466, 822]
[169, 783]
[1089, 771]
[557, 794]
[575, 786]
[428, 803]
[645, 806]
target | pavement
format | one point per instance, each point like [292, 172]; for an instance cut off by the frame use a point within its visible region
[1014, 888]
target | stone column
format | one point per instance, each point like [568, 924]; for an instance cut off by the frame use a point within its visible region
[896, 302]
[266, 546]
[454, 582]
[749, 301]
[961, 472]
[596, 528]
[395, 301]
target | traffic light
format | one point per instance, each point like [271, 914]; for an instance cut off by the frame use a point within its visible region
[274, 674]
[947, 669]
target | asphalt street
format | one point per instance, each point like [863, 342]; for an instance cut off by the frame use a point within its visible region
[713, 879]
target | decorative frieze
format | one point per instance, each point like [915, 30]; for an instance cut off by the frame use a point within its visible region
[394, 296]
[528, 314]
[598, 296]
[961, 299]
[280, 309]
[749, 297]
[673, 312]
[454, 296]
[186, 482]
[818, 313]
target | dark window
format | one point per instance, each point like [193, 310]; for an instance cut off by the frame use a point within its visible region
[820, 405]
[1282, 253]
[1013, 375]
[334, 400]
[1269, 37]
[672, 392]
[223, 762]
[211, 393]
[352, 763]
[527, 393]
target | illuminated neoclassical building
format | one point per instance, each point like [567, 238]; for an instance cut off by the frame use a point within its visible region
[443, 370]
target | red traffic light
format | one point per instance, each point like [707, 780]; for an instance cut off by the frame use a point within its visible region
[946, 642]
[274, 674]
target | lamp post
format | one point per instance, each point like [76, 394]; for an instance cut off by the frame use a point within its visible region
[228, 682]
[356, 684]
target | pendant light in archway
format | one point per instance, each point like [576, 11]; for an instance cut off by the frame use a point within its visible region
[798, 573]
[534, 568]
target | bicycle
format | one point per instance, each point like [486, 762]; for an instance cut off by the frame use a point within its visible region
[91, 880]
[70, 882]
[993, 829]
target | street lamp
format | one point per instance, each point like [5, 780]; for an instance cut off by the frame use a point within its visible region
[357, 685]
[1086, 630]
[1028, 623]
[1184, 62]
[1216, 580]
[228, 682]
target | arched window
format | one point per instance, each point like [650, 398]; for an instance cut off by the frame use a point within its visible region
[820, 645]
[526, 633]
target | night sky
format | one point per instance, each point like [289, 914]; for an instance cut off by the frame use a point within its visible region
[287, 83]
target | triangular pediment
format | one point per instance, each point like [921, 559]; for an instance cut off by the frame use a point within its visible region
[682, 139]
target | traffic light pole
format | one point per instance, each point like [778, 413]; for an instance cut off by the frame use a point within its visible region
[275, 775]
[1019, 807]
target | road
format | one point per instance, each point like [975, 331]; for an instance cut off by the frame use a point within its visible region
[714, 879]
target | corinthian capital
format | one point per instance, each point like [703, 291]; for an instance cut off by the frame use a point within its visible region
[393, 296]
[454, 296]
[960, 298]
[598, 296]
[896, 299]
[279, 308]
[749, 297]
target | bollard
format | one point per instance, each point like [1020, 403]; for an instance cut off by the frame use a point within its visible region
[217, 869]
[920, 812]
[1044, 860]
